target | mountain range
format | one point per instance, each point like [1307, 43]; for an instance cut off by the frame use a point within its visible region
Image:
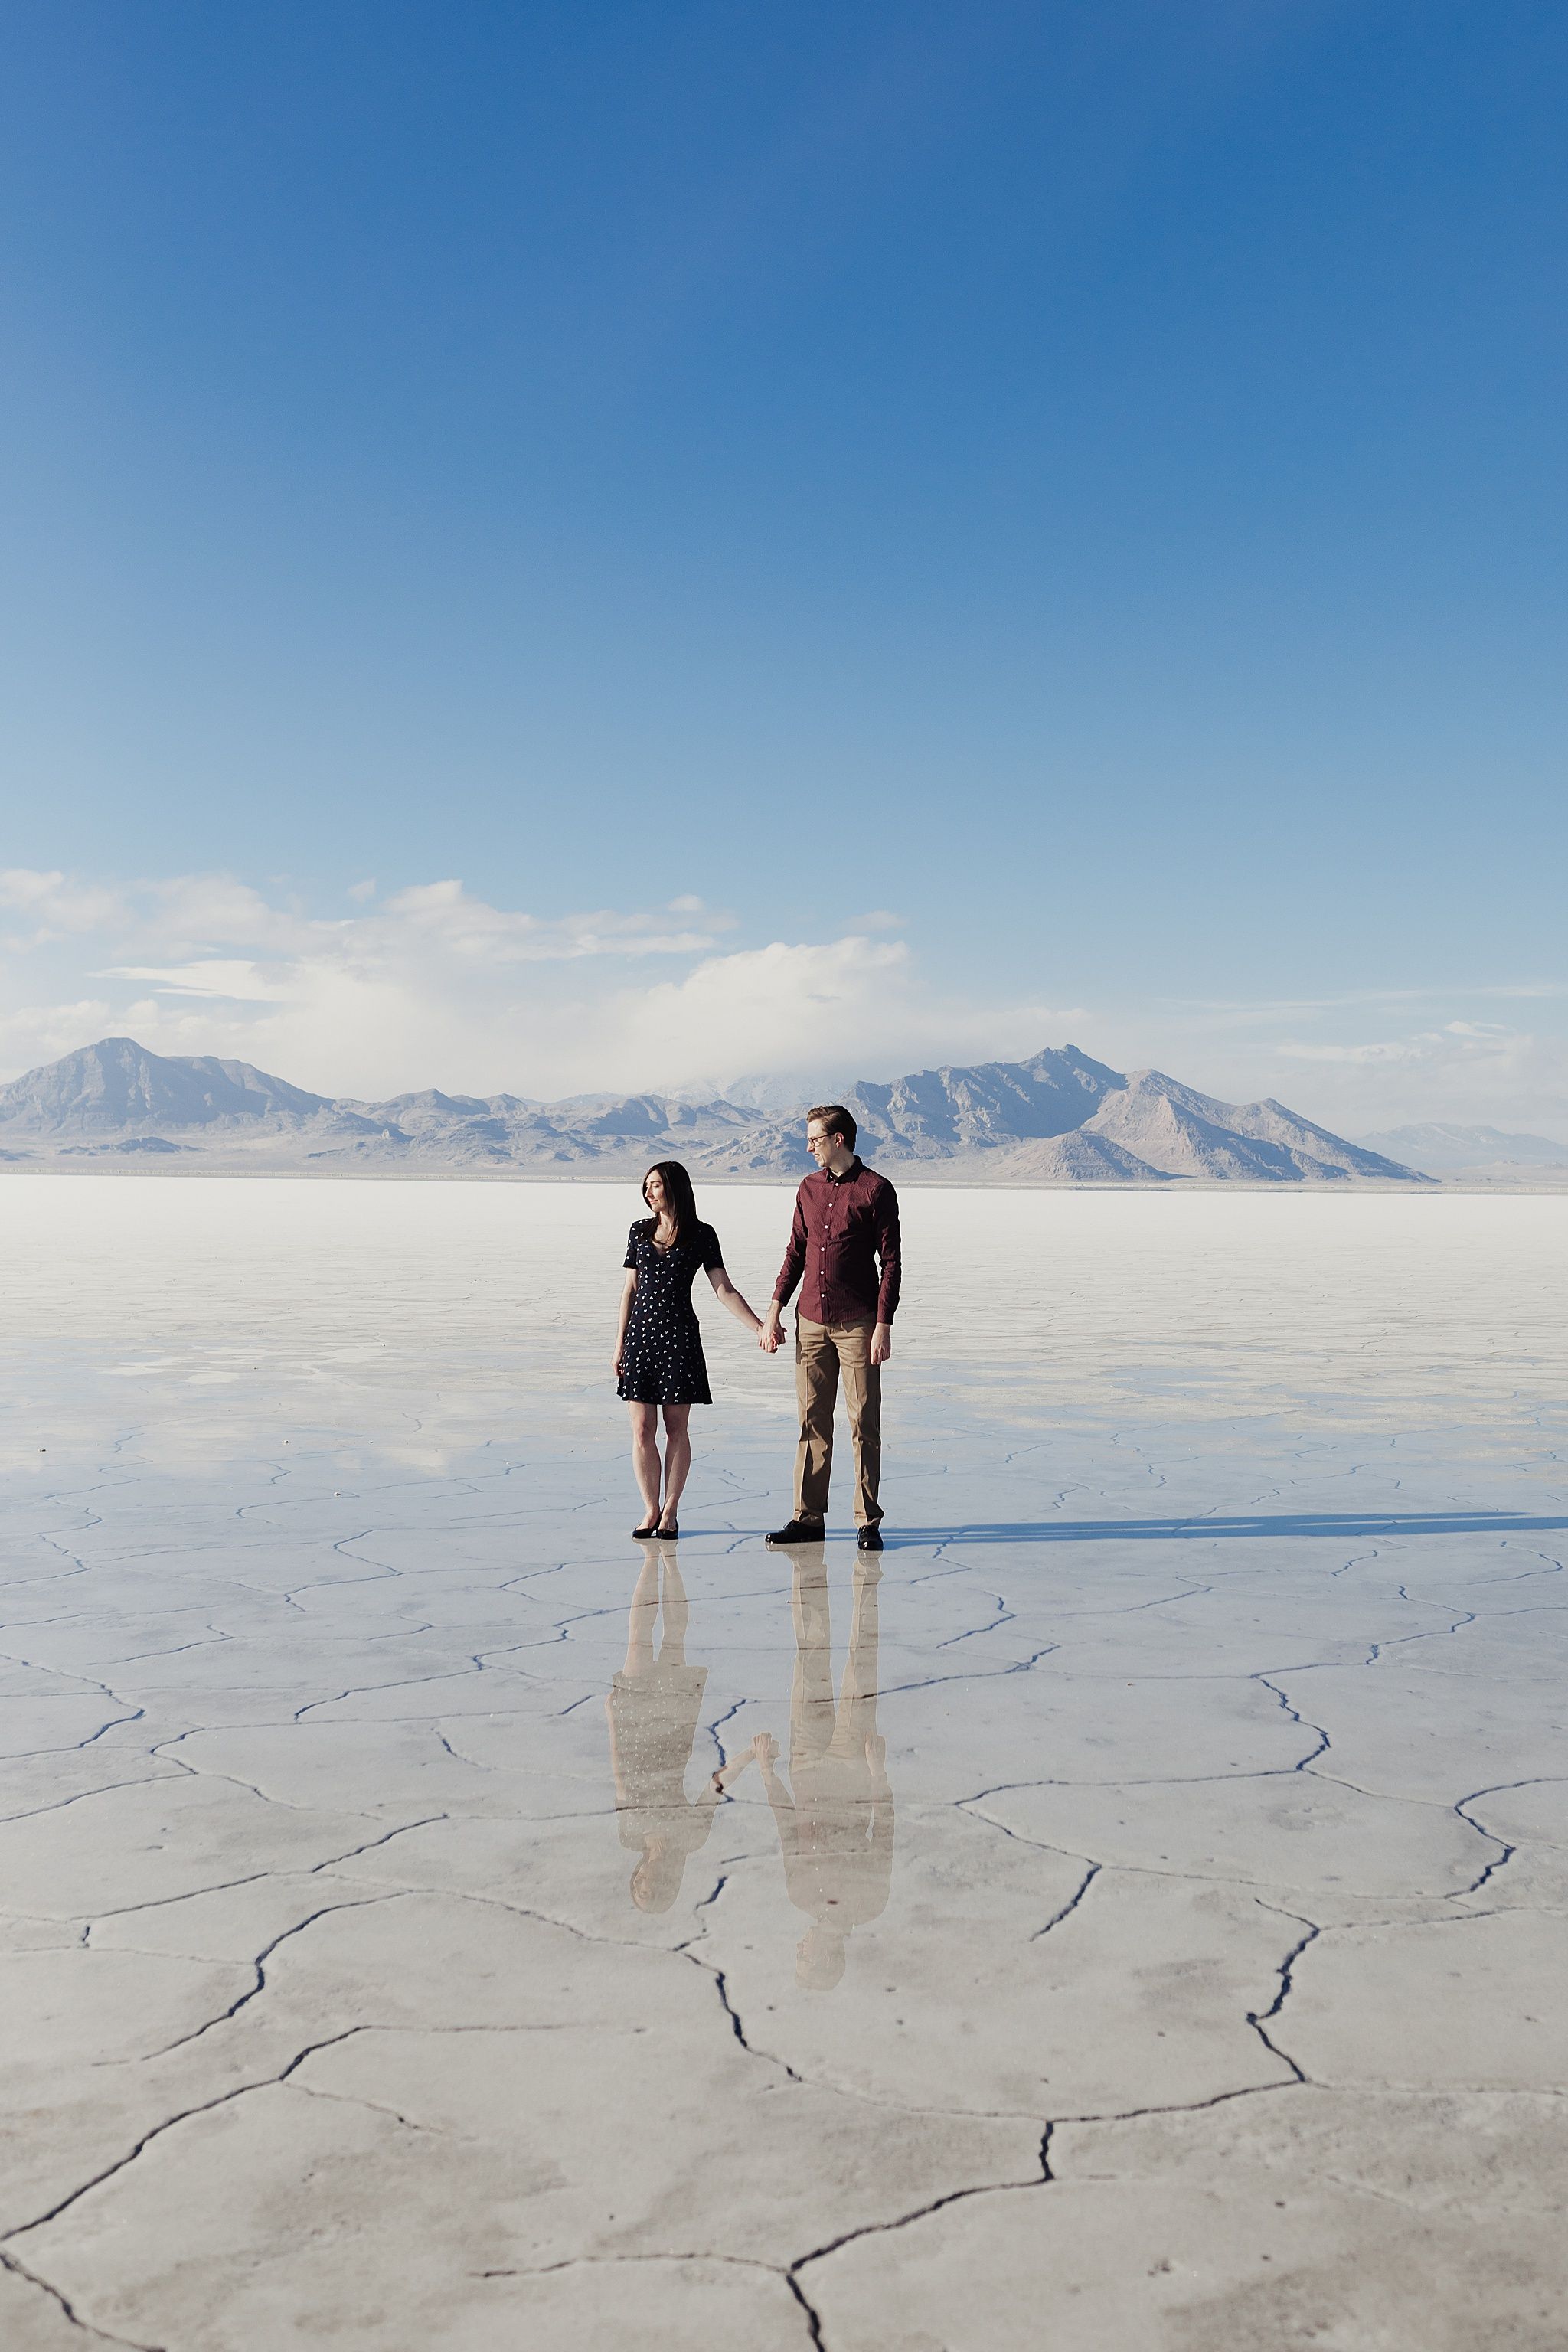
[1444, 1151]
[1058, 1118]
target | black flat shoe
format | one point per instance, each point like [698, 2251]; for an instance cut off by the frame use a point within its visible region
[646, 1535]
[797, 1531]
[871, 1539]
[668, 1533]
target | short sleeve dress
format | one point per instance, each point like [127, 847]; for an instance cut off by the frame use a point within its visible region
[654, 1717]
[662, 1361]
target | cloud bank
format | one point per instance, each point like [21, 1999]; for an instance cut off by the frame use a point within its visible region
[433, 986]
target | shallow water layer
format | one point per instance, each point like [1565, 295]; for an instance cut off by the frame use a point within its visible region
[1133, 1910]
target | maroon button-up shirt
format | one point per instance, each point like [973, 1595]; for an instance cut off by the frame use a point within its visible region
[843, 1226]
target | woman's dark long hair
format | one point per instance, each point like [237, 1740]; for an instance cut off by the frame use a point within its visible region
[680, 1198]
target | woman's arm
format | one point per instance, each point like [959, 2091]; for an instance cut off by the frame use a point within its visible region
[718, 1784]
[733, 1299]
[628, 1292]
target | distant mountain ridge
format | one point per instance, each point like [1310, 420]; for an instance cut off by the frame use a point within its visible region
[1446, 1151]
[1058, 1118]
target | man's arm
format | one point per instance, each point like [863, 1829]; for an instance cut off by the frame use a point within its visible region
[877, 1863]
[885, 1214]
[794, 1266]
[765, 1748]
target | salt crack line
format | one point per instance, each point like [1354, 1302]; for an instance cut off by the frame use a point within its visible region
[1258, 2018]
[1043, 2178]
[1071, 1905]
[253, 1992]
[68, 2309]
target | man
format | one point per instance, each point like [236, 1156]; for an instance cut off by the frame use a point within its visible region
[836, 1823]
[845, 1241]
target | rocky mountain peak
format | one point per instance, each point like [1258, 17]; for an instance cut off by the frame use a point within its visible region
[1058, 1118]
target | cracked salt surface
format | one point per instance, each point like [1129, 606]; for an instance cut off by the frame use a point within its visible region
[1135, 1910]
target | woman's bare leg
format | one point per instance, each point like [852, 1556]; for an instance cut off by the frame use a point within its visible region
[645, 1455]
[672, 1648]
[642, 1618]
[676, 1455]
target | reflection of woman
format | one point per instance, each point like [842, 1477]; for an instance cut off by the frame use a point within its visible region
[654, 1710]
[659, 1344]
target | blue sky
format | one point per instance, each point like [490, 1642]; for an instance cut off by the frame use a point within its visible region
[1082, 486]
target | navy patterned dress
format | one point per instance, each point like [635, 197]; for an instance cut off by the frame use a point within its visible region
[662, 1361]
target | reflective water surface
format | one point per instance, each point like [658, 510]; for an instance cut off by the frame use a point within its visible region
[1132, 1912]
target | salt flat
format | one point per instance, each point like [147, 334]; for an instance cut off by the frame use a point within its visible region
[1149, 1927]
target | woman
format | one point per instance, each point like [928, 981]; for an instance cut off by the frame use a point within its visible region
[658, 1347]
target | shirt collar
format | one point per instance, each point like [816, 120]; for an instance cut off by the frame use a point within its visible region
[850, 1173]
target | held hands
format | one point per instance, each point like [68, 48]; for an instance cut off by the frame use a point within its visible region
[719, 1783]
[770, 1333]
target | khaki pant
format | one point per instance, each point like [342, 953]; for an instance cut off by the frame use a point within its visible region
[822, 1352]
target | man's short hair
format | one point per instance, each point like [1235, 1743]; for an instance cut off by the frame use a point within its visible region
[835, 1120]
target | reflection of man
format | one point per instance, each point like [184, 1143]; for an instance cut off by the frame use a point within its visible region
[843, 1252]
[835, 1820]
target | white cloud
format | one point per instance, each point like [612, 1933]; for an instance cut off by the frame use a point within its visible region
[189, 912]
[763, 1007]
[1359, 1060]
[835, 1010]
[236, 983]
[1328, 1061]
[56, 903]
[434, 985]
[1478, 1071]
[444, 911]
[36, 1033]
